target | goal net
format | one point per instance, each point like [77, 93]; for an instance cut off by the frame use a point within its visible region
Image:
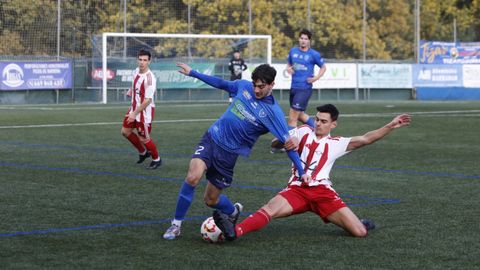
[208, 54]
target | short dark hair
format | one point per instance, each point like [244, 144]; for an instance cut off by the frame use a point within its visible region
[144, 52]
[331, 109]
[264, 73]
[305, 32]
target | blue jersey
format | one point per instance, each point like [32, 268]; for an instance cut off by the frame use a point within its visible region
[247, 118]
[303, 64]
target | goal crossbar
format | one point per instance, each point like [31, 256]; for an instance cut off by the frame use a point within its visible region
[157, 35]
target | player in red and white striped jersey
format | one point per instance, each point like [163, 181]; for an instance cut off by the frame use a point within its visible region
[142, 110]
[318, 151]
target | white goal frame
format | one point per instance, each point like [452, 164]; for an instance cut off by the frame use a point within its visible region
[156, 35]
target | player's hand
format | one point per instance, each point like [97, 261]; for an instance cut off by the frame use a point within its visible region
[129, 92]
[291, 144]
[185, 69]
[400, 121]
[131, 117]
[290, 70]
[311, 79]
[306, 178]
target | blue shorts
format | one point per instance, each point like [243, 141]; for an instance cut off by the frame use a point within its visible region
[299, 99]
[220, 163]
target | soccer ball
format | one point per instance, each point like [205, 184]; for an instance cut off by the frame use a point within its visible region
[210, 232]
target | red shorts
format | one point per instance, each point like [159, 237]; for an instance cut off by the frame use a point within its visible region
[322, 200]
[143, 129]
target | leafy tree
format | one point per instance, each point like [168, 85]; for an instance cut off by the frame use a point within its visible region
[29, 27]
[10, 43]
[80, 22]
[437, 20]
[29, 22]
[390, 30]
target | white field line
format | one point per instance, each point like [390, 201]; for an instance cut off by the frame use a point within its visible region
[34, 108]
[442, 113]
[103, 123]
[466, 113]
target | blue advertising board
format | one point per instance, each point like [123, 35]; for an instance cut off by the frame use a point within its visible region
[437, 76]
[437, 52]
[35, 75]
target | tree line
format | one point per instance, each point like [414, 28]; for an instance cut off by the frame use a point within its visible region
[29, 27]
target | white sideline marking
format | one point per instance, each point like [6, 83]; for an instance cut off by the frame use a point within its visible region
[104, 123]
[105, 107]
[442, 113]
[471, 113]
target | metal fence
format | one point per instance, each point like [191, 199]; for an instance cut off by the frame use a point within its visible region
[354, 30]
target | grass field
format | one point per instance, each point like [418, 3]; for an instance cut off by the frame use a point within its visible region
[72, 197]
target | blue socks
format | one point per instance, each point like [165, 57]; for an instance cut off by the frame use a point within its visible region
[184, 201]
[185, 198]
[311, 122]
[225, 205]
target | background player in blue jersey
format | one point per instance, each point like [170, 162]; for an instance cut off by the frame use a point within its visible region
[301, 64]
[252, 113]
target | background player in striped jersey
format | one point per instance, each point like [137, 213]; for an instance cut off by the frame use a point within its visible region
[253, 112]
[301, 65]
[142, 110]
[318, 151]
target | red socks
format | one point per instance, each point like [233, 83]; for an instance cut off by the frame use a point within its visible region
[150, 145]
[152, 148]
[254, 222]
[133, 138]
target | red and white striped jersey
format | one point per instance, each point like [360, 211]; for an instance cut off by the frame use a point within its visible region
[318, 156]
[144, 86]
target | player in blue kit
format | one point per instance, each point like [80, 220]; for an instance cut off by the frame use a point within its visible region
[252, 113]
[301, 64]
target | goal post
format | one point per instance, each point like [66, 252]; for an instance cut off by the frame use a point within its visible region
[105, 37]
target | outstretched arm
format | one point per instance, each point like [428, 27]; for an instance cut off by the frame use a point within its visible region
[210, 80]
[295, 158]
[375, 135]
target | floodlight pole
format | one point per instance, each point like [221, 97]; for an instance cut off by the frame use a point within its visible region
[124, 29]
[417, 30]
[250, 17]
[309, 15]
[189, 17]
[364, 42]
[58, 28]
[249, 29]
[364, 28]
[455, 30]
